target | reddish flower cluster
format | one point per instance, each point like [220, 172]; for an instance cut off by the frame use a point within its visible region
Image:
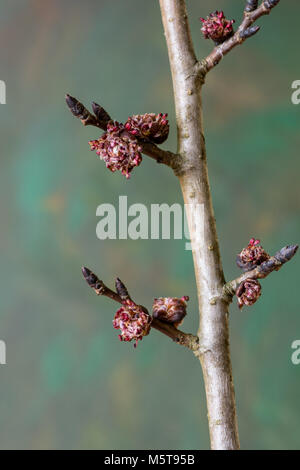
[217, 27]
[248, 292]
[251, 256]
[170, 309]
[150, 126]
[133, 322]
[118, 148]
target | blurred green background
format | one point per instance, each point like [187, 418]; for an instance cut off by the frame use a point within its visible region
[69, 382]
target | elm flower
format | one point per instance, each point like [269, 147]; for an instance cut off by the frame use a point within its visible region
[133, 322]
[251, 256]
[248, 292]
[150, 126]
[217, 27]
[118, 148]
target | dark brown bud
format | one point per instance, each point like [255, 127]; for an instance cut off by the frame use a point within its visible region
[80, 111]
[89, 276]
[248, 32]
[93, 281]
[271, 3]
[100, 113]
[251, 5]
[121, 289]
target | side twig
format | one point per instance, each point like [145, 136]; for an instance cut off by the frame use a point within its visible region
[251, 13]
[274, 263]
[184, 339]
[102, 118]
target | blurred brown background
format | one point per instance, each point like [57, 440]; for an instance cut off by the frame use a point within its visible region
[69, 382]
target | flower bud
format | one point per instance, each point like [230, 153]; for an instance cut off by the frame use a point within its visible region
[251, 256]
[118, 149]
[170, 309]
[133, 322]
[100, 113]
[251, 5]
[217, 27]
[150, 126]
[248, 292]
[79, 110]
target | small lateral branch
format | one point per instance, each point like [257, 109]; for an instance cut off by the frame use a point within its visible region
[246, 30]
[274, 263]
[184, 339]
[102, 118]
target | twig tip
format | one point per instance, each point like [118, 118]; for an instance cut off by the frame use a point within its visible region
[85, 271]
